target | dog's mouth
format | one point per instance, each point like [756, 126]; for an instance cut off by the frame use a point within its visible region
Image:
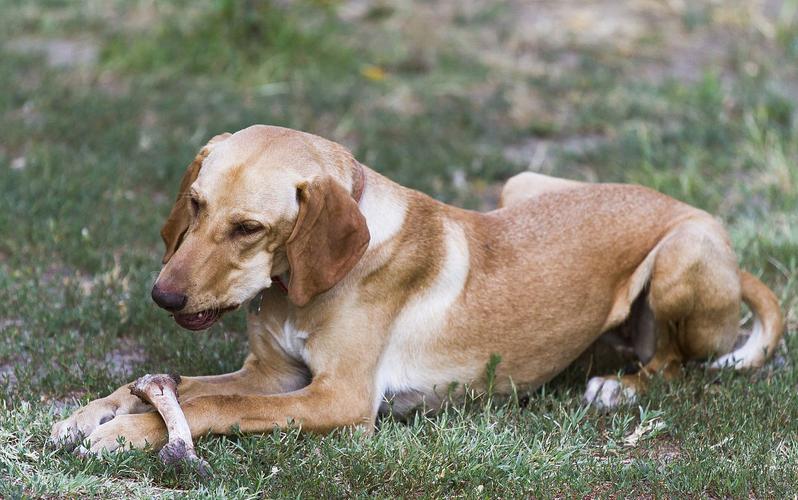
[201, 320]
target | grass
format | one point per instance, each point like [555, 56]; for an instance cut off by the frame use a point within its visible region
[91, 153]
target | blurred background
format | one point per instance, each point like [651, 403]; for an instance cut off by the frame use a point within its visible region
[103, 103]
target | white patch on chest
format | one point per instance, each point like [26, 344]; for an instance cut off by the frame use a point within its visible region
[292, 341]
[407, 363]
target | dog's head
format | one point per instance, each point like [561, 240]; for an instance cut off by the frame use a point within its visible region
[255, 204]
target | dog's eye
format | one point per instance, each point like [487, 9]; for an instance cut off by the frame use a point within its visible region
[247, 228]
[194, 206]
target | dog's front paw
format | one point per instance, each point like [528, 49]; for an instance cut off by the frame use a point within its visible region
[125, 432]
[606, 393]
[69, 431]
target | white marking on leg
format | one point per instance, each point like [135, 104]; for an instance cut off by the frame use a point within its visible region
[593, 387]
[607, 393]
[751, 354]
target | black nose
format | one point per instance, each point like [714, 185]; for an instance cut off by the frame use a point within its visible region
[168, 300]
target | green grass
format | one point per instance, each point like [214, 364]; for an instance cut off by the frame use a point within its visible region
[90, 157]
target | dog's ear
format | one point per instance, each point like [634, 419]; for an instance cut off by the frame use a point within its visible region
[329, 237]
[177, 223]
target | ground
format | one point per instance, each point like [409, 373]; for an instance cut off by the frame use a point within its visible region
[103, 103]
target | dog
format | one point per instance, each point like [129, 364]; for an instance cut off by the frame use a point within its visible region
[365, 296]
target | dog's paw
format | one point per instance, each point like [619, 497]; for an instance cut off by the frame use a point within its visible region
[125, 432]
[69, 431]
[604, 393]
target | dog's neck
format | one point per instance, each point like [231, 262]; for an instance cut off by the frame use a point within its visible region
[358, 182]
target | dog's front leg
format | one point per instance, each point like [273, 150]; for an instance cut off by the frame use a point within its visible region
[322, 406]
[341, 394]
[319, 408]
[273, 375]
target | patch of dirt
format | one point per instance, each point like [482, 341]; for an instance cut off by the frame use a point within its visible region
[672, 38]
[56, 273]
[66, 404]
[9, 322]
[7, 374]
[538, 153]
[58, 52]
[522, 41]
[125, 358]
[663, 450]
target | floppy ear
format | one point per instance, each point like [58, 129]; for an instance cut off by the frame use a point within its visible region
[329, 237]
[177, 223]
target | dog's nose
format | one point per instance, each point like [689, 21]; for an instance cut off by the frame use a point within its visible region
[168, 300]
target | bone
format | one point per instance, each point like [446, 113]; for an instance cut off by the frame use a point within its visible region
[160, 391]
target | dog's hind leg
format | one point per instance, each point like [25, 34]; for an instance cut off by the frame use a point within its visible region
[526, 185]
[694, 294]
[607, 392]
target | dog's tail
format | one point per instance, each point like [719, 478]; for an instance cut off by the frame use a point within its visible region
[768, 327]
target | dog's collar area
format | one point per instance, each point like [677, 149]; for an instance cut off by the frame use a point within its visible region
[280, 283]
[256, 302]
[358, 182]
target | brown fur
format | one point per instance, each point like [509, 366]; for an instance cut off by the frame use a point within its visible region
[395, 295]
[329, 238]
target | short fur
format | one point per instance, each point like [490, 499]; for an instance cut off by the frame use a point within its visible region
[393, 296]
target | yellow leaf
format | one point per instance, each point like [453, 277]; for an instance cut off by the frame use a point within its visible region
[374, 73]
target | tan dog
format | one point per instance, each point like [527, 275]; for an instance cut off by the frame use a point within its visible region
[365, 294]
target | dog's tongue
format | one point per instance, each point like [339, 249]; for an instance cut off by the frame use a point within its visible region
[197, 321]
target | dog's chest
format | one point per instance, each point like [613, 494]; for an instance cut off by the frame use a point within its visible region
[292, 341]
